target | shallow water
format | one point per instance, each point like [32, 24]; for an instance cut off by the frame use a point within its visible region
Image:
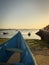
[11, 33]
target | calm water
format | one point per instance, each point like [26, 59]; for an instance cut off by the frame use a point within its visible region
[11, 33]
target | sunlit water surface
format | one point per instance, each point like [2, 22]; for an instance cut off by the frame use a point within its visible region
[11, 33]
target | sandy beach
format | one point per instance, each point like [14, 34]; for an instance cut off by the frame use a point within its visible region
[42, 56]
[41, 53]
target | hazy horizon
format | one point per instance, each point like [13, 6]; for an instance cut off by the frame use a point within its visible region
[24, 14]
[22, 28]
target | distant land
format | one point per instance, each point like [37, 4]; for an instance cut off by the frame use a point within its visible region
[18, 29]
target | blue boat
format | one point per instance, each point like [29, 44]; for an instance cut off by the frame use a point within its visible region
[16, 45]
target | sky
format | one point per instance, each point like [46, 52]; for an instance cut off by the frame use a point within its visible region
[24, 14]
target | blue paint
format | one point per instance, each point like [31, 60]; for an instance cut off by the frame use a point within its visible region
[17, 42]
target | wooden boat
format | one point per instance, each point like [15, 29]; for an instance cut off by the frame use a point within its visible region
[16, 45]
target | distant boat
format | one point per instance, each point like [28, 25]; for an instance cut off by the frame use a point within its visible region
[29, 34]
[14, 45]
[4, 33]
